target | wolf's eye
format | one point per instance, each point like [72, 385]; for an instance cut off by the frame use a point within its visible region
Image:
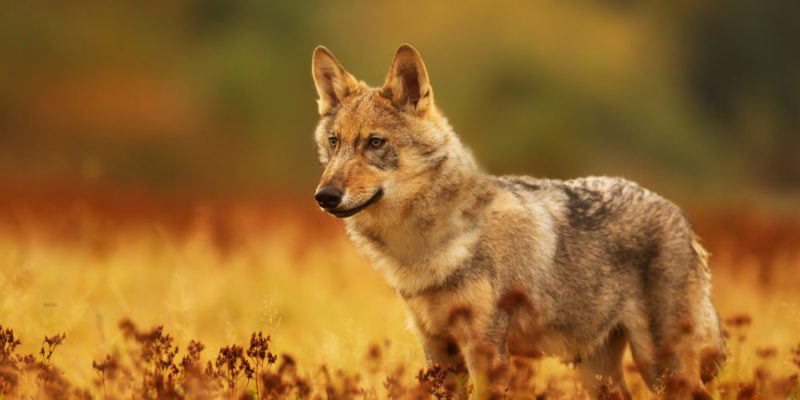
[376, 142]
[332, 141]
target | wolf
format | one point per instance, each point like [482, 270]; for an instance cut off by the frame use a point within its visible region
[577, 269]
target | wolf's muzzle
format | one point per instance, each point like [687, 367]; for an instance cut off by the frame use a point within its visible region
[346, 213]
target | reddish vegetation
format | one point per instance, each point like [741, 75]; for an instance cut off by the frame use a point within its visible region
[70, 216]
[151, 371]
[152, 365]
[75, 212]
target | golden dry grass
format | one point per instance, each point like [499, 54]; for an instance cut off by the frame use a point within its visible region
[216, 272]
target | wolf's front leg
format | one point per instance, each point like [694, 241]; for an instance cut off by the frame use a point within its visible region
[486, 358]
[444, 352]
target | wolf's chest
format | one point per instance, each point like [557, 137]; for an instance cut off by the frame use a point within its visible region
[413, 266]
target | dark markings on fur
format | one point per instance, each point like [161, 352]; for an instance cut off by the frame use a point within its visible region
[483, 199]
[448, 193]
[437, 162]
[331, 118]
[425, 149]
[527, 185]
[517, 194]
[615, 242]
[656, 313]
[506, 185]
[585, 246]
[516, 185]
[384, 158]
[586, 210]
[638, 256]
[480, 264]
[428, 152]
[502, 183]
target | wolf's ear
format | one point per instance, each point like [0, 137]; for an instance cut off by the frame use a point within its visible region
[407, 85]
[333, 82]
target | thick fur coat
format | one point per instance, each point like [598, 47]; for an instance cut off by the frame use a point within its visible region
[575, 269]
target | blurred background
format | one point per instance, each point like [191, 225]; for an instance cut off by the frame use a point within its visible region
[156, 157]
[698, 98]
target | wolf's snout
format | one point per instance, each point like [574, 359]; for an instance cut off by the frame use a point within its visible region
[328, 196]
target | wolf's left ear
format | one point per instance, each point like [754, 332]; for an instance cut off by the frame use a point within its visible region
[333, 82]
[407, 85]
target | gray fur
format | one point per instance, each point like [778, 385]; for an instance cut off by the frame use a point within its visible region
[602, 261]
[384, 158]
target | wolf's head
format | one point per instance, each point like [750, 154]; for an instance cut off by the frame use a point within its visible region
[380, 147]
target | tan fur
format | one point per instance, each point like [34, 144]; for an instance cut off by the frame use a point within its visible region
[593, 263]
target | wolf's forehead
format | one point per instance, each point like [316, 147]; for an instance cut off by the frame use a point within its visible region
[366, 111]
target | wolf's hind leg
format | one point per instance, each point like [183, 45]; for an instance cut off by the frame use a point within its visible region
[606, 363]
[675, 325]
[713, 353]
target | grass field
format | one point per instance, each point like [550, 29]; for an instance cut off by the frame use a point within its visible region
[215, 272]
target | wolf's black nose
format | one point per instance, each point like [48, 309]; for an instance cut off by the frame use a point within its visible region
[328, 196]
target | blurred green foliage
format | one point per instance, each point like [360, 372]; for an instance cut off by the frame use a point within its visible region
[217, 94]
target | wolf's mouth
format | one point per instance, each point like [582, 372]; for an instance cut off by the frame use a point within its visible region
[347, 213]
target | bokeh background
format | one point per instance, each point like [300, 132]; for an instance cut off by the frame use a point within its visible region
[156, 159]
[695, 96]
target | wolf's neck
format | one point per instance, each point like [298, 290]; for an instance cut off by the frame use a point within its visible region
[443, 209]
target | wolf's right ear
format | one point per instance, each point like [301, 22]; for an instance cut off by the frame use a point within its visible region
[333, 82]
